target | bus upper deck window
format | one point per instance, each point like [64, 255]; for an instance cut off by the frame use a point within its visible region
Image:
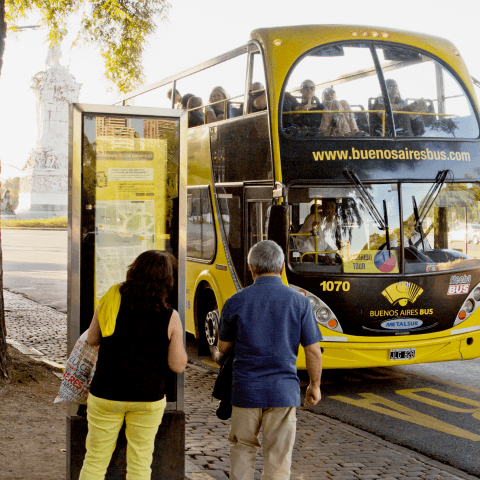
[420, 97]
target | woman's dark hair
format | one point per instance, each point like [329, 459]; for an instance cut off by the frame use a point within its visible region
[150, 279]
[185, 100]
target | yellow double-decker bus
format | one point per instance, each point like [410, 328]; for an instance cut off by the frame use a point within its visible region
[357, 150]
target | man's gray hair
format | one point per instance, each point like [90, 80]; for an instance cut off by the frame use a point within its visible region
[266, 257]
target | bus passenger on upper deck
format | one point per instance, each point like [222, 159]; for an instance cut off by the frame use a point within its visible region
[309, 102]
[217, 111]
[185, 99]
[195, 117]
[258, 98]
[323, 227]
[337, 123]
[405, 125]
[178, 98]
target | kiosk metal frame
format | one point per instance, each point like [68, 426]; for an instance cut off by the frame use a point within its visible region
[76, 425]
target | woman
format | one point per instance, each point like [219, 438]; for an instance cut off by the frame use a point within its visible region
[139, 338]
[216, 111]
[337, 123]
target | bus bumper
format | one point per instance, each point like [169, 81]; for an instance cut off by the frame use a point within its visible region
[463, 346]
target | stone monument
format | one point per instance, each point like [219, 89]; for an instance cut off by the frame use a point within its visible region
[44, 181]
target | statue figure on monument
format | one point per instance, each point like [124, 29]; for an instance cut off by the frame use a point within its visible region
[55, 51]
[6, 206]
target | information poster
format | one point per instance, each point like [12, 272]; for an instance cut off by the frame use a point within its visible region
[131, 190]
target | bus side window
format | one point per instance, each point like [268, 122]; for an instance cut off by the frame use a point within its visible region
[221, 86]
[201, 240]
[257, 94]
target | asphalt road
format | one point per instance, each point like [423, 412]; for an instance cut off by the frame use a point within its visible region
[433, 408]
[35, 265]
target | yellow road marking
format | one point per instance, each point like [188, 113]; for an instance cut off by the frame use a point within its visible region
[211, 363]
[446, 382]
[412, 393]
[374, 402]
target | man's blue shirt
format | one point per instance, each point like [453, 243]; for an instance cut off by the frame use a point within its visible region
[267, 321]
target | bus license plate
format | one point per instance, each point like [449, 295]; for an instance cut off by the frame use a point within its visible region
[402, 354]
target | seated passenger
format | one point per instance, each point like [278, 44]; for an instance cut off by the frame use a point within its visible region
[216, 111]
[195, 117]
[405, 125]
[258, 98]
[323, 228]
[309, 102]
[178, 98]
[185, 99]
[337, 124]
[290, 104]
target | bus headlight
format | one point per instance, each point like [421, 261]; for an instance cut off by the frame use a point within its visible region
[324, 316]
[476, 294]
[323, 313]
[469, 306]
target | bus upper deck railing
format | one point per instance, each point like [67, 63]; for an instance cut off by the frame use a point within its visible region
[381, 113]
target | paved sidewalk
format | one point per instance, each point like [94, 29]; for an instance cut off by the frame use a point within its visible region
[324, 448]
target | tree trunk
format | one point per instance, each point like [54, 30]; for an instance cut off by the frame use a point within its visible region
[5, 362]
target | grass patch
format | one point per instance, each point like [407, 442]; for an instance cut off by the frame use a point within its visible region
[59, 222]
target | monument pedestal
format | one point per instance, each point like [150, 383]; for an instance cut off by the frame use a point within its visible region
[43, 194]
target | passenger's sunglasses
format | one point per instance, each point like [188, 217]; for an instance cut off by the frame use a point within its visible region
[308, 87]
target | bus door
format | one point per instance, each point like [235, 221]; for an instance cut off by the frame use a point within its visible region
[257, 202]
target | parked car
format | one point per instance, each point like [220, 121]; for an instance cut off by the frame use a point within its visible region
[470, 233]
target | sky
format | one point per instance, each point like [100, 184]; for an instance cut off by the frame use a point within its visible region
[198, 30]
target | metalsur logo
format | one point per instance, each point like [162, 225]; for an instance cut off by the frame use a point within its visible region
[402, 292]
[402, 324]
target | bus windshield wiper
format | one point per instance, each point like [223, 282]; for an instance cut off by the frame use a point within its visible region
[429, 199]
[418, 224]
[387, 231]
[368, 200]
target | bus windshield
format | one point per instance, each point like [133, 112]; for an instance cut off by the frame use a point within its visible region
[335, 229]
[336, 91]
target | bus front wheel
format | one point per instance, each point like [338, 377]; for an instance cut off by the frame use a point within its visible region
[208, 325]
[212, 323]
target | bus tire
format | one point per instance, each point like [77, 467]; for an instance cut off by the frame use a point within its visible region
[212, 324]
[207, 323]
[475, 240]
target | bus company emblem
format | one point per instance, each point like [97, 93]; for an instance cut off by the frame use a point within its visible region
[402, 293]
[405, 324]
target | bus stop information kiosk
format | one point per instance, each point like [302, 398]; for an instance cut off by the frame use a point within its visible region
[127, 194]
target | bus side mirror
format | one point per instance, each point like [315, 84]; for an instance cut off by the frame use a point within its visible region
[277, 226]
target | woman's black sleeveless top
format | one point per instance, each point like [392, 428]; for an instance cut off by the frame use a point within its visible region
[133, 362]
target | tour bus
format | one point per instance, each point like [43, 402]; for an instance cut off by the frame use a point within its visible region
[357, 150]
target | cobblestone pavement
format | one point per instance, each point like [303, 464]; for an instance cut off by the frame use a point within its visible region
[37, 326]
[324, 448]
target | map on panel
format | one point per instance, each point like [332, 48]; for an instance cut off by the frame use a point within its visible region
[125, 228]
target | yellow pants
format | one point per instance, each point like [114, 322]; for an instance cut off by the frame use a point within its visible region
[105, 419]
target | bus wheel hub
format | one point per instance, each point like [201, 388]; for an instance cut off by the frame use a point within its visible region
[211, 327]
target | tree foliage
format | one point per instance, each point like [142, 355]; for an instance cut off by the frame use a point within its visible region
[118, 28]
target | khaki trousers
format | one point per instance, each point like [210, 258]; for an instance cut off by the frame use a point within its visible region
[279, 425]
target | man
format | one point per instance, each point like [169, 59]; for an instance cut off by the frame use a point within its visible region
[325, 224]
[264, 324]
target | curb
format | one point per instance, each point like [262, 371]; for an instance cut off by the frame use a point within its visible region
[34, 353]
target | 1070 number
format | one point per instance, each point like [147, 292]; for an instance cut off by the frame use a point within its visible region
[335, 286]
